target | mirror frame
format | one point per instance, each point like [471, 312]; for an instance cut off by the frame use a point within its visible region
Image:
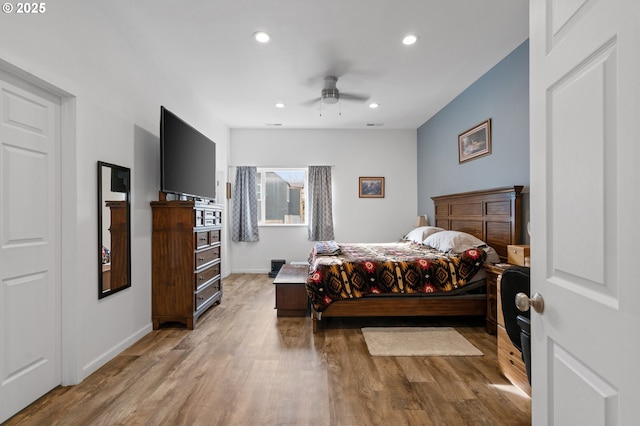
[101, 202]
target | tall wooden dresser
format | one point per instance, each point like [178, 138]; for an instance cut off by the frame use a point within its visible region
[186, 255]
[117, 272]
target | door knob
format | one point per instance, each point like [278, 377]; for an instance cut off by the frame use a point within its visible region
[523, 302]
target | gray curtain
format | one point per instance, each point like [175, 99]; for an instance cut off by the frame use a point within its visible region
[320, 208]
[245, 206]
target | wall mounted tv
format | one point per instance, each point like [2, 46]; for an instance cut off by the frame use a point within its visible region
[187, 159]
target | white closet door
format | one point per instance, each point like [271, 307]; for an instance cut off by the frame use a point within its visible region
[30, 298]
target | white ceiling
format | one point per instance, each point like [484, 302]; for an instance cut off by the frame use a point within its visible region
[208, 46]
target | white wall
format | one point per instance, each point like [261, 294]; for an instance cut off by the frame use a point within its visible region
[352, 153]
[115, 93]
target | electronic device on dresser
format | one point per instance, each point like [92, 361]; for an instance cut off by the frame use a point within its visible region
[186, 234]
[187, 159]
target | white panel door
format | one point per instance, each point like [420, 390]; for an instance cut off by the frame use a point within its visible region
[585, 201]
[30, 299]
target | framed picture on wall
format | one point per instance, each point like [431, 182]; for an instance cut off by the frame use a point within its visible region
[371, 187]
[475, 142]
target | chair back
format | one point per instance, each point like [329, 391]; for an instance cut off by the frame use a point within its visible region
[515, 280]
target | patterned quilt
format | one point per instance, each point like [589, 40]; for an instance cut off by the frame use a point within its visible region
[402, 267]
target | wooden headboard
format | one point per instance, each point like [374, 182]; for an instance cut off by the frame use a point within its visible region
[493, 215]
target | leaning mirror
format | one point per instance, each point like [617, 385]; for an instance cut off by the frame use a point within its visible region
[114, 229]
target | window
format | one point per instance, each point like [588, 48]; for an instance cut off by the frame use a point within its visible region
[282, 196]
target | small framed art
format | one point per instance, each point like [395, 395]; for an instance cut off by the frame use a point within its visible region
[475, 142]
[371, 187]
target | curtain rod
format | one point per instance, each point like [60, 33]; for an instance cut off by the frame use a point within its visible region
[281, 167]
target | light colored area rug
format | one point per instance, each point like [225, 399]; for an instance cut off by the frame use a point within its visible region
[417, 341]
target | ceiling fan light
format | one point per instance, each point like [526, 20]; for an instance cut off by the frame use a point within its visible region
[330, 96]
[279, 105]
[261, 37]
[374, 105]
[409, 39]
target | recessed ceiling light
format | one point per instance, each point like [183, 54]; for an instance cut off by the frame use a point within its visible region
[409, 39]
[374, 105]
[279, 105]
[261, 37]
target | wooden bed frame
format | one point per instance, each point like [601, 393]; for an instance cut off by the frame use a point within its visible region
[492, 215]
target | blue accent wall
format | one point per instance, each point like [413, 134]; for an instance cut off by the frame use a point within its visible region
[502, 94]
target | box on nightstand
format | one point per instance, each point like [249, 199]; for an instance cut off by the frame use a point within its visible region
[517, 253]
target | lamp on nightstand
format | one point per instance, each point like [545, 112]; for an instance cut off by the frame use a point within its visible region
[422, 221]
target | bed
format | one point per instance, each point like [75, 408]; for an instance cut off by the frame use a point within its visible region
[492, 216]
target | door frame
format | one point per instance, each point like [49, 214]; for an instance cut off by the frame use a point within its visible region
[66, 228]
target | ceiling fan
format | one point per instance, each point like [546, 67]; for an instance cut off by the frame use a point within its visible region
[331, 95]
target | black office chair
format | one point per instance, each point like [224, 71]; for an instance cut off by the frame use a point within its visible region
[525, 340]
[516, 280]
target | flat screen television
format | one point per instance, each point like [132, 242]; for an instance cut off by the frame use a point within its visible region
[187, 159]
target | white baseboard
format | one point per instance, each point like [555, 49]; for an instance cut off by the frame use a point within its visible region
[107, 356]
[251, 271]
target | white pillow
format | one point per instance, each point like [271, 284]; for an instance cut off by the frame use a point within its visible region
[418, 234]
[454, 241]
[457, 242]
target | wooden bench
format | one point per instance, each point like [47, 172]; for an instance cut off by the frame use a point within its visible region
[291, 294]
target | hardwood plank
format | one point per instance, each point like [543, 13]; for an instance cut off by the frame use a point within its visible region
[245, 365]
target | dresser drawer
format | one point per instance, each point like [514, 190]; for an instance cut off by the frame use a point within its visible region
[509, 357]
[510, 362]
[203, 277]
[207, 256]
[199, 217]
[206, 293]
[214, 236]
[201, 239]
[209, 218]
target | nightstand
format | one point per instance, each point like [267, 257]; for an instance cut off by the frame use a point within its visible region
[494, 272]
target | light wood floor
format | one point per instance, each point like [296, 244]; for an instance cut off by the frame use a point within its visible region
[244, 366]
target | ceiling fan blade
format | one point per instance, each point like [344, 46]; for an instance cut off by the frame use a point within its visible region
[310, 102]
[354, 97]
